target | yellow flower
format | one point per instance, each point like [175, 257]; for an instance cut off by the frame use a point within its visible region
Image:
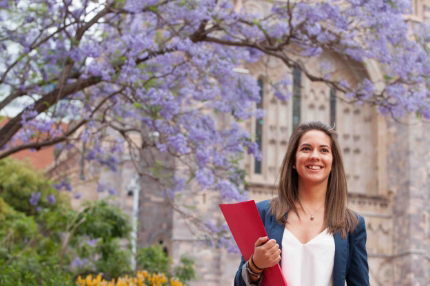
[140, 279]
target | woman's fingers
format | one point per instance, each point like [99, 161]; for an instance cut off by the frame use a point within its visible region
[276, 261]
[268, 245]
[274, 258]
[275, 255]
[261, 241]
[266, 252]
[273, 249]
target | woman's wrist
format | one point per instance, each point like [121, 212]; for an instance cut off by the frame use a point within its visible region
[254, 268]
[251, 274]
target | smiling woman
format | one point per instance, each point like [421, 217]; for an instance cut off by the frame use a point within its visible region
[323, 243]
[313, 159]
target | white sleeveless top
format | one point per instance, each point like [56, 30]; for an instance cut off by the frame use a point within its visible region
[309, 264]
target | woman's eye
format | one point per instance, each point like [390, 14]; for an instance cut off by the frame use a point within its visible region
[325, 150]
[305, 148]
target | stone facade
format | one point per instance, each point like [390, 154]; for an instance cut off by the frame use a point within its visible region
[387, 166]
[409, 178]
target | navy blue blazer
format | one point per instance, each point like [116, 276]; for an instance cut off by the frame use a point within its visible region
[350, 258]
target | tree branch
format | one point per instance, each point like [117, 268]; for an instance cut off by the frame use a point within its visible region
[64, 137]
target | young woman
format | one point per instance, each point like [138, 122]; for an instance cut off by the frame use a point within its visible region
[323, 243]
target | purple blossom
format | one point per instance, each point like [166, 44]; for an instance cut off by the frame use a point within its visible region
[205, 178]
[112, 191]
[218, 159]
[179, 143]
[77, 196]
[225, 227]
[34, 199]
[91, 155]
[161, 147]
[367, 89]
[77, 262]
[110, 161]
[92, 242]
[64, 184]
[178, 185]
[230, 192]
[229, 244]
[211, 227]
[203, 157]
[344, 83]
[253, 149]
[281, 89]
[51, 199]
[100, 188]
[312, 51]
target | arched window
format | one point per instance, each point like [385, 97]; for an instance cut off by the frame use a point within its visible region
[297, 90]
[259, 128]
[332, 107]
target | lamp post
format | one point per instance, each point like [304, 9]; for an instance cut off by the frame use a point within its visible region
[135, 188]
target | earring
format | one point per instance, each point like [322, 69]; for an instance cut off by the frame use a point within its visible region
[294, 167]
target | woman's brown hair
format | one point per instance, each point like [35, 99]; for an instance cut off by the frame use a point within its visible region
[337, 216]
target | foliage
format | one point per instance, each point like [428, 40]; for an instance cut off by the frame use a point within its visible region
[102, 220]
[19, 181]
[49, 243]
[154, 260]
[29, 270]
[185, 271]
[141, 279]
[115, 260]
[54, 244]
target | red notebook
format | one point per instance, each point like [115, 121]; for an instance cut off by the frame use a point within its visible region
[246, 227]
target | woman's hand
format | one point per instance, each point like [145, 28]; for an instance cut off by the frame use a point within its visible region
[266, 254]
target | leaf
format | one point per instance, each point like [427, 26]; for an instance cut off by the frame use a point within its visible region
[387, 78]
[153, 8]
[138, 105]
[419, 115]
[190, 207]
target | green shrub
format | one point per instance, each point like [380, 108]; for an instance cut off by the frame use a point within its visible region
[154, 260]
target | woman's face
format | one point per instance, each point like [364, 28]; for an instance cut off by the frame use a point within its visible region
[314, 157]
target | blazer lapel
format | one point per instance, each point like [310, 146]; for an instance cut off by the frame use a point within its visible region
[340, 259]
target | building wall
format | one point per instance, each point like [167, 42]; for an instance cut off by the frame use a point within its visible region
[409, 175]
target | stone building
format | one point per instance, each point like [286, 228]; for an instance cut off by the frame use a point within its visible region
[386, 161]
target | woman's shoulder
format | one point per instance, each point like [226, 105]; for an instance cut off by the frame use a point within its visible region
[263, 207]
[360, 218]
[361, 224]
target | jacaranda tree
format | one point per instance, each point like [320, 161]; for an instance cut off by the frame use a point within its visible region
[165, 70]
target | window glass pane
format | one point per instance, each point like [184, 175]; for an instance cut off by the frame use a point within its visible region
[259, 128]
[297, 86]
[332, 107]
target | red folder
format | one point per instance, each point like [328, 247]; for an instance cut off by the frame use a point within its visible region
[246, 227]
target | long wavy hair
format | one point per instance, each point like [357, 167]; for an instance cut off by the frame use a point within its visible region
[338, 218]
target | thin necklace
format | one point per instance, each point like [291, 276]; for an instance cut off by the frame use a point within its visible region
[312, 215]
